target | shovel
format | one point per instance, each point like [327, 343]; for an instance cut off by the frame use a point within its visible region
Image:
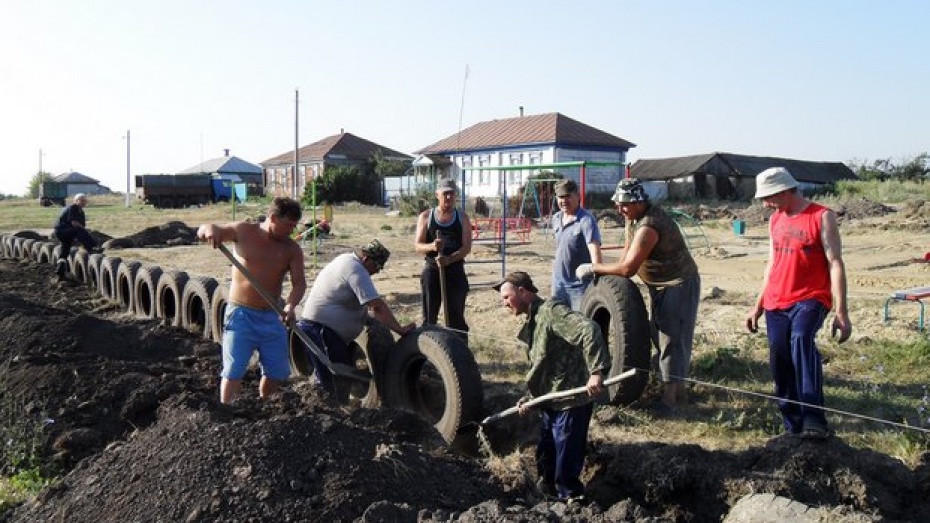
[338, 369]
[562, 394]
[443, 295]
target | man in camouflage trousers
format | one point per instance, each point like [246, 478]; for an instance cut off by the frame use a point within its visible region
[566, 351]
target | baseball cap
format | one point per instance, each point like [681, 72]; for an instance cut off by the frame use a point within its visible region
[446, 185]
[773, 181]
[565, 187]
[376, 252]
[517, 279]
[630, 190]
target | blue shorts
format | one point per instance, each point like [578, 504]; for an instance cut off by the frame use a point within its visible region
[248, 330]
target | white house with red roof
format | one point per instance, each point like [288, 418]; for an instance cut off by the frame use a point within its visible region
[489, 154]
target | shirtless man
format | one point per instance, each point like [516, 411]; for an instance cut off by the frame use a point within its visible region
[250, 323]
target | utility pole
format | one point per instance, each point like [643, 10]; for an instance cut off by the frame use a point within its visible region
[296, 185]
[40, 160]
[127, 167]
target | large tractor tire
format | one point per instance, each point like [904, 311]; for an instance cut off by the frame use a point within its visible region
[144, 291]
[109, 266]
[125, 285]
[432, 373]
[168, 294]
[195, 305]
[615, 303]
[218, 312]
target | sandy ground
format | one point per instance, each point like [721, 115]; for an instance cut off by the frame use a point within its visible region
[879, 252]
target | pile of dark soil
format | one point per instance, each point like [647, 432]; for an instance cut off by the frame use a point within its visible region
[170, 234]
[127, 412]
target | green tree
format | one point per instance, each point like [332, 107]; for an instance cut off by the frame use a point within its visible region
[35, 183]
[917, 169]
[385, 168]
[345, 183]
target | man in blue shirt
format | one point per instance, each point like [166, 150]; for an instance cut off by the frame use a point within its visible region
[577, 241]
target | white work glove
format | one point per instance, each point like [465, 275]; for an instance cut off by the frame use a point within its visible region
[585, 270]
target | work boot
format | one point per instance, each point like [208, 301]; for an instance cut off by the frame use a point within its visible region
[61, 268]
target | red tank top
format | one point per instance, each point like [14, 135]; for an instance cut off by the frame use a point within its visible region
[800, 270]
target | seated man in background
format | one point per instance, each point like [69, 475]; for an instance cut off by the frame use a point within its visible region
[70, 227]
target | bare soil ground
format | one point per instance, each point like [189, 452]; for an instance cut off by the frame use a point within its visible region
[130, 413]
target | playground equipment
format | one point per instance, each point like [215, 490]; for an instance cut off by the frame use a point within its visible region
[506, 230]
[691, 230]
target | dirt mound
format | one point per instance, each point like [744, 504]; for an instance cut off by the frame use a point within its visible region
[170, 234]
[859, 208]
[128, 409]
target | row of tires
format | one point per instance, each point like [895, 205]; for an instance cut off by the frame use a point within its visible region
[429, 371]
[180, 299]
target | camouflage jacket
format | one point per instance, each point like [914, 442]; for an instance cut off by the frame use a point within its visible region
[564, 349]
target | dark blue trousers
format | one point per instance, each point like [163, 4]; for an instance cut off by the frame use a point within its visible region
[335, 349]
[456, 287]
[796, 364]
[563, 438]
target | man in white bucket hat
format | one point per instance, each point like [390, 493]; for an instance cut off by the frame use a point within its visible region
[805, 278]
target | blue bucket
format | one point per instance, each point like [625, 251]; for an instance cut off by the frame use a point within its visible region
[739, 227]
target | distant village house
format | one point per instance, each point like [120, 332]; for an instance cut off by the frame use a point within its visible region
[343, 149]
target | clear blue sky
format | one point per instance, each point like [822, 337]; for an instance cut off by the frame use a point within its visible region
[827, 80]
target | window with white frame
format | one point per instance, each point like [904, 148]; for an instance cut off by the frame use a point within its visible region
[484, 177]
[536, 157]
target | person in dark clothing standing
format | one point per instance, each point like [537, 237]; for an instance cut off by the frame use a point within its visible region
[72, 227]
[444, 238]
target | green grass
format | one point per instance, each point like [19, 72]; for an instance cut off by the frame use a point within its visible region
[885, 192]
[883, 379]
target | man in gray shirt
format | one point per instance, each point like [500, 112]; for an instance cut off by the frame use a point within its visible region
[341, 299]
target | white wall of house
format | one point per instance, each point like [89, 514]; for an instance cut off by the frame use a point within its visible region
[489, 183]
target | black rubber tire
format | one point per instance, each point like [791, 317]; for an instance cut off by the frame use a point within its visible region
[125, 284]
[432, 373]
[4, 242]
[195, 305]
[77, 260]
[168, 294]
[41, 246]
[144, 304]
[374, 345]
[25, 247]
[45, 253]
[617, 306]
[218, 312]
[109, 266]
[34, 250]
[93, 270]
